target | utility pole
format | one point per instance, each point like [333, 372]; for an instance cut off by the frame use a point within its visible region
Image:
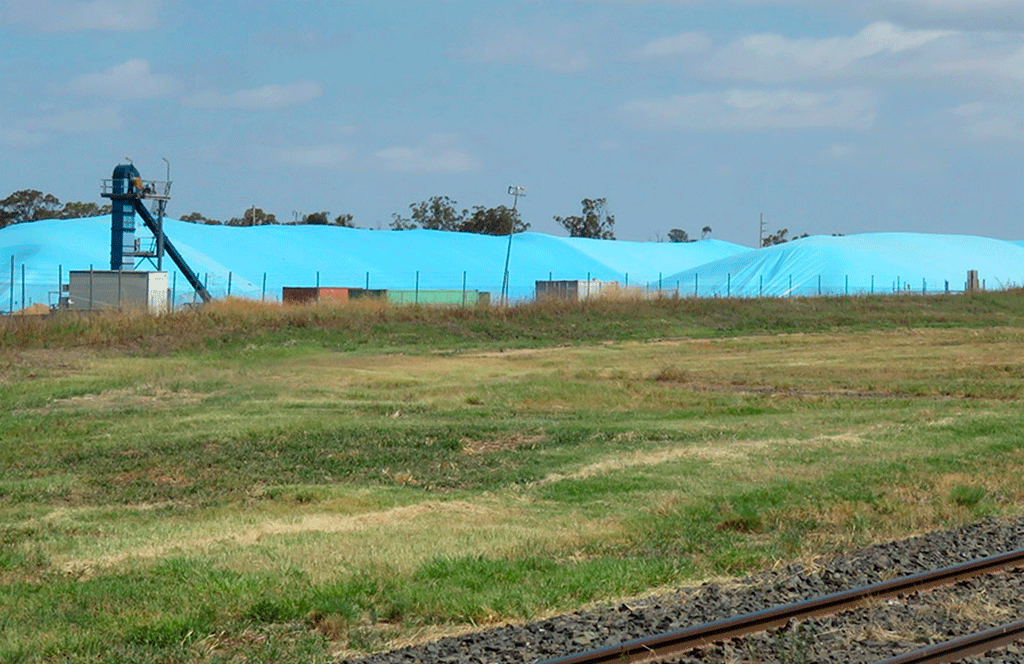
[516, 192]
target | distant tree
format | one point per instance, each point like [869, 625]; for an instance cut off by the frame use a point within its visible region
[779, 237]
[704, 232]
[252, 217]
[499, 220]
[594, 222]
[28, 205]
[678, 235]
[196, 218]
[400, 223]
[316, 219]
[78, 210]
[345, 220]
[437, 213]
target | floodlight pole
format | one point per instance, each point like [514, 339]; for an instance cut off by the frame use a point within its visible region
[515, 192]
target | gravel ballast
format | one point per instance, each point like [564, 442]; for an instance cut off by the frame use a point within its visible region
[868, 634]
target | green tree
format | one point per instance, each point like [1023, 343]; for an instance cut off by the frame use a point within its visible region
[678, 235]
[252, 217]
[196, 218]
[28, 205]
[316, 219]
[499, 220]
[78, 210]
[344, 220]
[594, 222]
[779, 237]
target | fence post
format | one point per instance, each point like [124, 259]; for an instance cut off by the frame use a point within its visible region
[417, 295]
[24, 305]
[463, 289]
[90, 286]
[12, 284]
[790, 285]
[819, 285]
[872, 284]
[229, 283]
[318, 278]
[760, 285]
[728, 285]
[174, 288]
[924, 288]
[695, 275]
[263, 295]
[847, 284]
[367, 280]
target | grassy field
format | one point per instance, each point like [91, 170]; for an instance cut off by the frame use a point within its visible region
[266, 484]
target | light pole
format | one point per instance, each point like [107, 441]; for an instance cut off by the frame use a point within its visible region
[514, 191]
[161, 207]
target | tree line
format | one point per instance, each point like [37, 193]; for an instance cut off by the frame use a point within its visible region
[32, 205]
[436, 213]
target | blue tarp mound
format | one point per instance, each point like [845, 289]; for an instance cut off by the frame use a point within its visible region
[858, 264]
[256, 262]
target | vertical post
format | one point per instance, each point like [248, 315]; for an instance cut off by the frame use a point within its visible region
[263, 296]
[819, 285]
[229, 283]
[791, 285]
[119, 273]
[760, 285]
[627, 280]
[463, 289]
[318, 278]
[695, 284]
[60, 283]
[367, 280]
[90, 286]
[12, 285]
[728, 285]
[872, 284]
[24, 304]
[514, 191]
[924, 286]
[174, 288]
[659, 283]
[847, 284]
[417, 294]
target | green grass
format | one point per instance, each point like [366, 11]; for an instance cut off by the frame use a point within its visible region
[255, 483]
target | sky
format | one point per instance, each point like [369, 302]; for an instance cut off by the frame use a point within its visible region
[819, 116]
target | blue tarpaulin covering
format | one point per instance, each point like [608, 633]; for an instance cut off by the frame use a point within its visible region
[256, 262]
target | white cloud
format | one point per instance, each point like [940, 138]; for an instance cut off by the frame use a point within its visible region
[879, 50]
[840, 152]
[83, 15]
[754, 110]
[267, 97]
[686, 43]
[316, 156]
[83, 121]
[439, 153]
[130, 80]
[981, 121]
[550, 48]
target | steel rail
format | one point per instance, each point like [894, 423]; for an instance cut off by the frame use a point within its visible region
[956, 649]
[660, 645]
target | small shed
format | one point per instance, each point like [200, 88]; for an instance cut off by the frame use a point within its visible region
[576, 290]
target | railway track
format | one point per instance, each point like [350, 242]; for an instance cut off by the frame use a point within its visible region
[662, 647]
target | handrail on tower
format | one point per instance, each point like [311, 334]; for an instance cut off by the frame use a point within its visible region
[126, 190]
